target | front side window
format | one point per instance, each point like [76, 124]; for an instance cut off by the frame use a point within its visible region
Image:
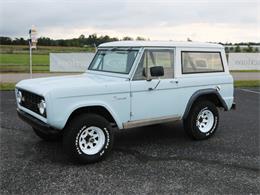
[201, 62]
[114, 60]
[153, 57]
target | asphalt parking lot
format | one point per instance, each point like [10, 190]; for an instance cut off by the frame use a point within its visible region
[158, 159]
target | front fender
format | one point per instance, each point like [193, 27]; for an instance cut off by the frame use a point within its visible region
[97, 103]
[61, 122]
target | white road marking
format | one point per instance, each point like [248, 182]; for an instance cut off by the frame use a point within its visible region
[247, 90]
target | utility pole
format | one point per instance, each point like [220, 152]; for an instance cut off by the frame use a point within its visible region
[32, 45]
[95, 47]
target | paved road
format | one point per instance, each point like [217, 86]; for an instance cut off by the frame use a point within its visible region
[246, 75]
[15, 77]
[159, 159]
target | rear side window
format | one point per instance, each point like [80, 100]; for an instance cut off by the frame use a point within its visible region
[201, 62]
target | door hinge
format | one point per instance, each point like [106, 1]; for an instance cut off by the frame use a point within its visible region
[131, 114]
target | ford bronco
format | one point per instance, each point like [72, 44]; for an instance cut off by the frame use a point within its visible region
[129, 84]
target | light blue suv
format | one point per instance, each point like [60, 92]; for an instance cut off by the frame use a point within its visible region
[129, 84]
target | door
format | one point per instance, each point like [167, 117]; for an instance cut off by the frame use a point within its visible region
[153, 98]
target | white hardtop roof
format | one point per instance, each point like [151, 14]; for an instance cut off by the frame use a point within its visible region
[160, 44]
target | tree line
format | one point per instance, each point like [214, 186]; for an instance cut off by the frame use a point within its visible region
[94, 40]
[242, 48]
[91, 40]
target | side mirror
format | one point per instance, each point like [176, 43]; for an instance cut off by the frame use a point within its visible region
[157, 71]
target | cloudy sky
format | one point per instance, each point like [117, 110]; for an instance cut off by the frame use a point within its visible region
[200, 20]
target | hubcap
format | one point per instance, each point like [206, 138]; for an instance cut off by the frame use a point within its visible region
[91, 140]
[205, 121]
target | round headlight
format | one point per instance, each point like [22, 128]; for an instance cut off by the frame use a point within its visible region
[42, 106]
[19, 96]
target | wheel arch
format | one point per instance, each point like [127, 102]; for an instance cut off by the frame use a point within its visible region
[205, 94]
[95, 109]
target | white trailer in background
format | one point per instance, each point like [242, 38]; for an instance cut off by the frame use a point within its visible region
[79, 62]
[244, 61]
[70, 62]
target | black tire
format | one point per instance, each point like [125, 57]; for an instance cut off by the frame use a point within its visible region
[51, 137]
[77, 127]
[194, 127]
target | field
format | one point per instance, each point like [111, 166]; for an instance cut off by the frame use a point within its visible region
[20, 63]
[23, 49]
[15, 58]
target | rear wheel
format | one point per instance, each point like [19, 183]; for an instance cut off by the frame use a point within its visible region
[202, 121]
[88, 138]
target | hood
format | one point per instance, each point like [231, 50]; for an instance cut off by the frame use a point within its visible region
[42, 86]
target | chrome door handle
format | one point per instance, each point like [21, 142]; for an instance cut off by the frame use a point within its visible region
[174, 81]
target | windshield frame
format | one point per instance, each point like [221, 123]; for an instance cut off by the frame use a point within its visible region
[121, 74]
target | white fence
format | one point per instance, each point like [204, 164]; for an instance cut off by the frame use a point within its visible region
[244, 61]
[79, 62]
[70, 62]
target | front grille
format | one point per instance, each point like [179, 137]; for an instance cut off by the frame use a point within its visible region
[31, 101]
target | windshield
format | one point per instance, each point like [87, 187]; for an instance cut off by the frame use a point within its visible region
[114, 60]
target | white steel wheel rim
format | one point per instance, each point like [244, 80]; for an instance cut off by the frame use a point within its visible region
[91, 140]
[205, 121]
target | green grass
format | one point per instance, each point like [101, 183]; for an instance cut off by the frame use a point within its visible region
[245, 71]
[15, 58]
[7, 86]
[23, 59]
[20, 63]
[24, 49]
[247, 83]
[21, 69]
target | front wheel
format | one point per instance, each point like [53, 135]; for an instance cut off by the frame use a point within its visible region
[202, 121]
[88, 138]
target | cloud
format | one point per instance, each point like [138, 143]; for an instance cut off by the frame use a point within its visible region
[202, 20]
